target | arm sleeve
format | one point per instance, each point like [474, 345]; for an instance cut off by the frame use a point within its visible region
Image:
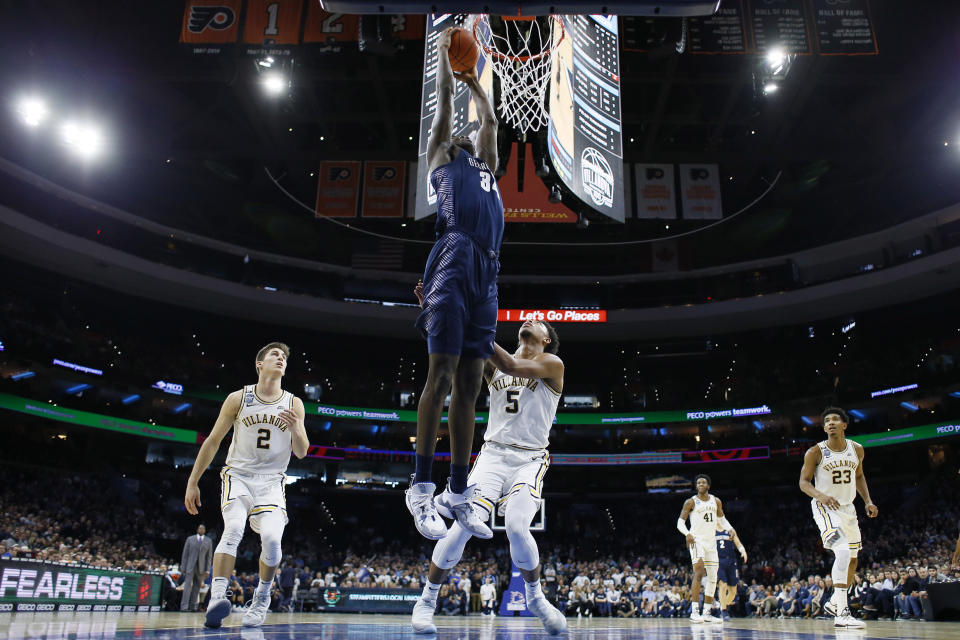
[682, 527]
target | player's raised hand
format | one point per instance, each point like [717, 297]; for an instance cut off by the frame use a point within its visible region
[290, 417]
[443, 42]
[418, 291]
[469, 76]
[872, 510]
[191, 500]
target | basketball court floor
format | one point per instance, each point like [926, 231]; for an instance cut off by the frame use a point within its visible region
[311, 626]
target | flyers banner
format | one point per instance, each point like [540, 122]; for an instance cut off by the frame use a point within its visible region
[211, 22]
[272, 22]
[465, 120]
[552, 315]
[532, 204]
[41, 586]
[656, 193]
[383, 184]
[585, 137]
[844, 28]
[700, 191]
[338, 189]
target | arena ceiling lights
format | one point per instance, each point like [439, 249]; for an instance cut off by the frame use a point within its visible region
[32, 110]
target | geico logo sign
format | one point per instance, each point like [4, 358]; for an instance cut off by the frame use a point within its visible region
[26, 607]
[6, 606]
[30, 583]
[67, 607]
[46, 607]
[84, 607]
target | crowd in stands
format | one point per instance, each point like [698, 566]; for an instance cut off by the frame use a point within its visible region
[591, 567]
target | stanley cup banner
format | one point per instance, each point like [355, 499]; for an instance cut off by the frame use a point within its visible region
[700, 191]
[656, 193]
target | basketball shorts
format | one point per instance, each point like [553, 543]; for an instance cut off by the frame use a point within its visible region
[500, 471]
[459, 312]
[844, 519]
[705, 550]
[252, 495]
[728, 573]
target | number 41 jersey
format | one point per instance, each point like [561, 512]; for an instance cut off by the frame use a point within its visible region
[836, 474]
[261, 440]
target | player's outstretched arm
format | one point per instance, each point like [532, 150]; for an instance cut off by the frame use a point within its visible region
[299, 443]
[209, 448]
[487, 135]
[862, 489]
[438, 145]
[810, 461]
[545, 365]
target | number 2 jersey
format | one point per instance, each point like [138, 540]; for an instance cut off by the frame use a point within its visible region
[261, 442]
[521, 411]
[836, 473]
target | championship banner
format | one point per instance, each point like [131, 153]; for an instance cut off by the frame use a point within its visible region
[41, 586]
[464, 111]
[383, 184]
[656, 193]
[533, 203]
[211, 22]
[585, 135]
[272, 22]
[331, 29]
[700, 191]
[338, 189]
[367, 600]
[552, 315]
[844, 28]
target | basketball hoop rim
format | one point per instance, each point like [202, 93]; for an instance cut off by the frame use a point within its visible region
[490, 51]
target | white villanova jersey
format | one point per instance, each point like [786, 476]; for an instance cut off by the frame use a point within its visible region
[522, 411]
[261, 440]
[836, 474]
[703, 519]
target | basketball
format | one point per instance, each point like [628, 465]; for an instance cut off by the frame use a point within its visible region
[463, 51]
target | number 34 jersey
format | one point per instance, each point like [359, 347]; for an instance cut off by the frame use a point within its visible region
[836, 474]
[261, 440]
[521, 411]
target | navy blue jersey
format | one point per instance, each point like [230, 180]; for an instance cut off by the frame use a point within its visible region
[468, 201]
[726, 552]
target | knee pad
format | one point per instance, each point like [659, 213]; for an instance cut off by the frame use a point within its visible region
[711, 586]
[841, 563]
[232, 535]
[449, 550]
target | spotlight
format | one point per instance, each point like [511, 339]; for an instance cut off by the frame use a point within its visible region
[275, 83]
[32, 111]
[555, 195]
[775, 58]
[543, 169]
[84, 139]
[266, 63]
[770, 87]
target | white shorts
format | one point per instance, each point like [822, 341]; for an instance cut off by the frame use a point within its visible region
[500, 471]
[843, 519]
[705, 550]
[252, 496]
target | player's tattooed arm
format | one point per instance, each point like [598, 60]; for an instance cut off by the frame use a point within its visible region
[488, 371]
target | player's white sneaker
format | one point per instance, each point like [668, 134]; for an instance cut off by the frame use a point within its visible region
[255, 614]
[553, 621]
[847, 621]
[217, 610]
[419, 499]
[709, 618]
[460, 506]
[422, 618]
[695, 617]
[830, 609]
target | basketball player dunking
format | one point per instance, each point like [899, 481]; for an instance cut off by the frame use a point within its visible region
[267, 425]
[705, 512]
[459, 307]
[524, 392]
[835, 467]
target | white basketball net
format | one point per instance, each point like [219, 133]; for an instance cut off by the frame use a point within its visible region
[520, 57]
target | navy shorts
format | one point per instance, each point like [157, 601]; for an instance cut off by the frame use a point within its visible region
[728, 573]
[459, 312]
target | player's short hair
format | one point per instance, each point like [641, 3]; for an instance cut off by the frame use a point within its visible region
[705, 477]
[554, 345]
[837, 410]
[273, 345]
[465, 143]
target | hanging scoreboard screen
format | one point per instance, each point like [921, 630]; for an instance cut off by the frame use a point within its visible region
[585, 136]
[465, 119]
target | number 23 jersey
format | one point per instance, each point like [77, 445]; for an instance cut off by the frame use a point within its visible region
[836, 474]
[521, 411]
[261, 440]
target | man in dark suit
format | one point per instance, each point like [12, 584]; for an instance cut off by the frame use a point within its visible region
[195, 564]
